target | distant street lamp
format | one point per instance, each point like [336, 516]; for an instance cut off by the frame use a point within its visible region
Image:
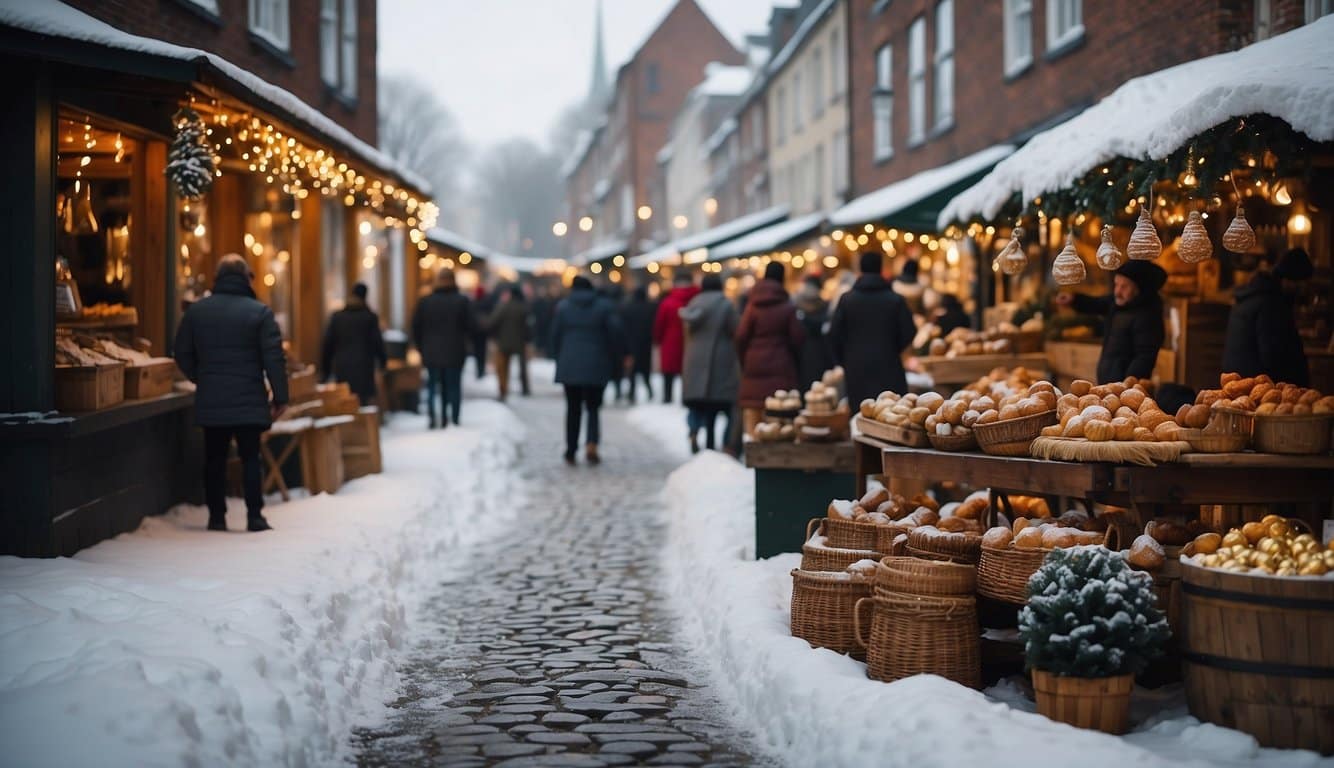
[559, 229]
[680, 222]
[645, 213]
[586, 224]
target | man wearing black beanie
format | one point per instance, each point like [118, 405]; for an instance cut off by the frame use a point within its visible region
[871, 328]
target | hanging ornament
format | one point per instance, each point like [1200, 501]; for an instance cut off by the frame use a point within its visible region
[190, 157]
[1110, 257]
[1068, 268]
[1144, 244]
[1012, 258]
[1194, 245]
[1239, 237]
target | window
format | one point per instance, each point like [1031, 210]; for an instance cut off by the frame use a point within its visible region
[944, 72]
[817, 82]
[1317, 8]
[627, 208]
[1065, 22]
[817, 188]
[1018, 36]
[837, 71]
[1263, 20]
[840, 162]
[780, 113]
[882, 102]
[329, 42]
[917, 81]
[269, 20]
[651, 82]
[349, 49]
[796, 104]
[756, 134]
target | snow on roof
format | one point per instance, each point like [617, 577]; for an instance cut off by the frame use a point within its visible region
[725, 129]
[901, 194]
[1290, 76]
[664, 155]
[582, 143]
[710, 237]
[457, 242]
[55, 19]
[808, 24]
[600, 252]
[768, 238]
[724, 80]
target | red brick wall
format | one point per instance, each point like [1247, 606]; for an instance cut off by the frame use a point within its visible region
[228, 36]
[1121, 41]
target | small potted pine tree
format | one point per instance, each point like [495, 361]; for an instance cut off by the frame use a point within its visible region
[1091, 624]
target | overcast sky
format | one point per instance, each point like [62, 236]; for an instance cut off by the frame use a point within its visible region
[507, 67]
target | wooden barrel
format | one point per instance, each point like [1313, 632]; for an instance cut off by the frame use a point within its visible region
[1258, 657]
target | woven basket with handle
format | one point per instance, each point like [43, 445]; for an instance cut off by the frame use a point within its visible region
[960, 547]
[822, 608]
[907, 635]
[850, 534]
[966, 442]
[1012, 437]
[916, 576]
[817, 558]
[1003, 572]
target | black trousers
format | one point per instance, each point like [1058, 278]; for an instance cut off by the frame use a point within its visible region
[648, 383]
[577, 401]
[217, 441]
[668, 381]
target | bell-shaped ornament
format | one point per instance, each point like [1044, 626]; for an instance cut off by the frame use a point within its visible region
[1109, 257]
[1239, 237]
[1068, 268]
[1194, 245]
[1144, 244]
[1012, 258]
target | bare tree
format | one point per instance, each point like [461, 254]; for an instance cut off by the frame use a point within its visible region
[520, 193]
[575, 119]
[420, 132]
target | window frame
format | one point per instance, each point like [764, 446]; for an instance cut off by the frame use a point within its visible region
[780, 108]
[797, 123]
[882, 104]
[917, 81]
[1061, 37]
[942, 73]
[349, 43]
[652, 78]
[330, 67]
[817, 81]
[837, 70]
[1015, 64]
[276, 30]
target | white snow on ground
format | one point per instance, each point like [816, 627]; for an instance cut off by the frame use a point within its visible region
[814, 707]
[172, 645]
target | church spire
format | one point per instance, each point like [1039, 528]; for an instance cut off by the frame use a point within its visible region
[599, 92]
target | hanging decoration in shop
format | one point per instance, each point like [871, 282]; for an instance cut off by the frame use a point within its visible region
[1194, 245]
[1068, 268]
[1144, 243]
[1239, 237]
[1012, 258]
[190, 159]
[1109, 256]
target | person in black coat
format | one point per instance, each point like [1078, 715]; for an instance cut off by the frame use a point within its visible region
[1261, 330]
[1133, 331]
[484, 305]
[441, 326]
[353, 346]
[228, 344]
[584, 338]
[871, 328]
[637, 318]
[812, 313]
[951, 314]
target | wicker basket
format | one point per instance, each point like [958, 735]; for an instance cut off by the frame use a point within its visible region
[916, 576]
[962, 547]
[822, 610]
[1295, 435]
[1003, 572]
[849, 534]
[815, 558]
[1203, 442]
[885, 535]
[966, 442]
[909, 635]
[1230, 421]
[1013, 436]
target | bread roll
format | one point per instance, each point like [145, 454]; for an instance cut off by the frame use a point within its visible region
[1208, 543]
[1074, 427]
[1144, 435]
[1051, 431]
[923, 500]
[1264, 409]
[889, 509]
[1099, 431]
[1152, 419]
[1198, 417]
[1146, 553]
[931, 400]
[1096, 413]
[1132, 398]
[1167, 432]
[840, 509]
[952, 524]
[999, 537]
[1285, 409]
[918, 415]
[1170, 533]
[873, 498]
[1081, 387]
[1111, 403]
[1054, 538]
[1088, 400]
[1029, 538]
[1019, 524]
[990, 416]
[1183, 413]
[924, 516]
[971, 509]
[1123, 427]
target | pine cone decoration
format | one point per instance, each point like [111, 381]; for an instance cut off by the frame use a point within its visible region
[1110, 257]
[1239, 237]
[1068, 268]
[1144, 244]
[1194, 245]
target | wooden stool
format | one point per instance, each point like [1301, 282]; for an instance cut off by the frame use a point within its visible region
[322, 455]
[273, 474]
[361, 444]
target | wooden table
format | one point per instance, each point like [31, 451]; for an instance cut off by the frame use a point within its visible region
[793, 483]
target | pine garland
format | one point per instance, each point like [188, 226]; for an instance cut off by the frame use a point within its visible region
[190, 159]
[1090, 615]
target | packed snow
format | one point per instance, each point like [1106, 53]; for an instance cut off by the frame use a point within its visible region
[1289, 76]
[173, 645]
[816, 707]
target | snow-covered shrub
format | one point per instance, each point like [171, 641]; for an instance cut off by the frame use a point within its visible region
[1090, 615]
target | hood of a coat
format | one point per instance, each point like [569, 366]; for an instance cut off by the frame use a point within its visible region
[702, 304]
[767, 293]
[233, 284]
[583, 297]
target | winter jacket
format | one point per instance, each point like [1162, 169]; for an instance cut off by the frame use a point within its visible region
[583, 338]
[768, 343]
[872, 326]
[441, 326]
[228, 344]
[667, 331]
[508, 325]
[637, 318]
[816, 357]
[1132, 334]
[1262, 334]
[353, 347]
[710, 372]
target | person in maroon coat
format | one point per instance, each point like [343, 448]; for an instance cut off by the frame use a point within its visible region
[768, 343]
[668, 332]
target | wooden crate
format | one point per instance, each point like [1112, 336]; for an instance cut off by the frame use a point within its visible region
[89, 387]
[361, 444]
[965, 369]
[301, 385]
[322, 456]
[152, 379]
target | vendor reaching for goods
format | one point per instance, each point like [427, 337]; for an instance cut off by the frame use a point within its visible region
[1134, 325]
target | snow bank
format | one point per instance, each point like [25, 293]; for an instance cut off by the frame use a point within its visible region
[175, 646]
[1289, 76]
[815, 707]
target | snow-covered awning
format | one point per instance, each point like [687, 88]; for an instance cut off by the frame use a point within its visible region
[915, 202]
[693, 249]
[58, 20]
[491, 258]
[456, 242]
[769, 238]
[599, 252]
[1290, 76]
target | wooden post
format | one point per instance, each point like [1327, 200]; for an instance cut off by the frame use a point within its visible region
[148, 239]
[310, 314]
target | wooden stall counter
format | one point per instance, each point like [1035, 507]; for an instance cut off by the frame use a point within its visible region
[793, 483]
[964, 369]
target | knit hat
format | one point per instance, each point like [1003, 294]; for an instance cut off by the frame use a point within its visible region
[1146, 275]
[774, 271]
[871, 263]
[1294, 265]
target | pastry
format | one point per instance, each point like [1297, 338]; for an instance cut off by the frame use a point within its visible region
[1146, 553]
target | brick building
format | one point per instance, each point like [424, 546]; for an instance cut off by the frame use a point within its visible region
[609, 183]
[323, 51]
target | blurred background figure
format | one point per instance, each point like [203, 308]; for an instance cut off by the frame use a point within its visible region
[637, 318]
[509, 326]
[353, 346]
[950, 314]
[668, 333]
[710, 373]
[813, 312]
[769, 339]
[1261, 329]
[869, 333]
[582, 339]
[441, 327]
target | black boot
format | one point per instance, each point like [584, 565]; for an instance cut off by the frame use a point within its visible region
[257, 523]
[217, 523]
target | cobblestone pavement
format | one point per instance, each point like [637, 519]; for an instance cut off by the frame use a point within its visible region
[550, 647]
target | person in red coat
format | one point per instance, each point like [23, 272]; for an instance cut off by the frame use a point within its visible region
[768, 343]
[668, 332]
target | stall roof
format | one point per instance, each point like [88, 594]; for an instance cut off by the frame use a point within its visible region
[710, 237]
[916, 201]
[455, 241]
[55, 19]
[600, 252]
[769, 238]
[1290, 76]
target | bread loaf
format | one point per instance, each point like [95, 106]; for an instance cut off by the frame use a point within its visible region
[1146, 553]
